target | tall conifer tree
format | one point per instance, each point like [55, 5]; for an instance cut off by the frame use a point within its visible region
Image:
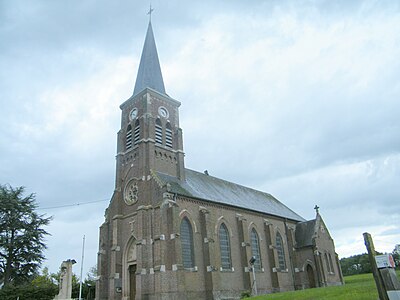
[21, 235]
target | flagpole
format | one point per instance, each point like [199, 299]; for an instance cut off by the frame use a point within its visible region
[80, 282]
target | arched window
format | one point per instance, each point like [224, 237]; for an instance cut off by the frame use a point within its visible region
[187, 244]
[168, 135]
[225, 247]
[159, 132]
[330, 262]
[328, 265]
[255, 249]
[281, 252]
[137, 132]
[128, 142]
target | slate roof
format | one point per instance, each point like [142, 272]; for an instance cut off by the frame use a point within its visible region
[212, 189]
[149, 73]
[305, 232]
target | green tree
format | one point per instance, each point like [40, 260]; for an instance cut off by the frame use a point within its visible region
[45, 279]
[356, 264]
[21, 235]
[396, 257]
[42, 287]
[89, 284]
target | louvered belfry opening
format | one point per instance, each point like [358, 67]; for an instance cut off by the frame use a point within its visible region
[168, 136]
[129, 137]
[159, 132]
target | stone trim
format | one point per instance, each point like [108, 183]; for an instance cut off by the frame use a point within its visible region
[168, 149]
[160, 237]
[116, 248]
[174, 236]
[227, 270]
[177, 267]
[208, 240]
[203, 210]
[159, 268]
[115, 217]
[144, 207]
[211, 269]
[194, 269]
[277, 270]
[200, 202]
[141, 242]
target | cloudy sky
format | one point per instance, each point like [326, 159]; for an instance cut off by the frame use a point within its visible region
[300, 99]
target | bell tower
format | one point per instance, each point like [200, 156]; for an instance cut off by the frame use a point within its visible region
[148, 142]
[150, 139]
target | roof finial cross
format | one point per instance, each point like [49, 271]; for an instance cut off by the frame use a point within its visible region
[150, 11]
[316, 207]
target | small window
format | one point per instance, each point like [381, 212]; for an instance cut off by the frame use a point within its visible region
[255, 250]
[225, 247]
[137, 132]
[281, 252]
[129, 137]
[159, 132]
[187, 244]
[168, 135]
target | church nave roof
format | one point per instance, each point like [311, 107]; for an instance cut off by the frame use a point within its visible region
[210, 188]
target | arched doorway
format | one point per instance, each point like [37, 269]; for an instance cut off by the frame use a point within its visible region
[310, 276]
[132, 282]
[129, 270]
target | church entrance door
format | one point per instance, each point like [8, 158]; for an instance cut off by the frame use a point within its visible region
[310, 275]
[132, 282]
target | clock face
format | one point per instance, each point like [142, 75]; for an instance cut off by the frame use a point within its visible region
[133, 114]
[163, 112]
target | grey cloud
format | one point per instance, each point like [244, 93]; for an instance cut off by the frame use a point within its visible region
[246, 118]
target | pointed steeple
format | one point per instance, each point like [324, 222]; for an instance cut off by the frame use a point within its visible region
[149, 74]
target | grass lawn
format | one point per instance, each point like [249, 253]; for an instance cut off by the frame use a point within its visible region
[357, 287]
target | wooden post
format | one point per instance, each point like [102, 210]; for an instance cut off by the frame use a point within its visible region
[377, 276]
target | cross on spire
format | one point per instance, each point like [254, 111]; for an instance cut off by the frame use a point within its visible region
[150, 11]
[316, 207]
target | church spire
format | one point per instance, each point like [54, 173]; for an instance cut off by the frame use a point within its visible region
[149, 74]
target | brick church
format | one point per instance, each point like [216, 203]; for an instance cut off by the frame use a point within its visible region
[175, 233]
